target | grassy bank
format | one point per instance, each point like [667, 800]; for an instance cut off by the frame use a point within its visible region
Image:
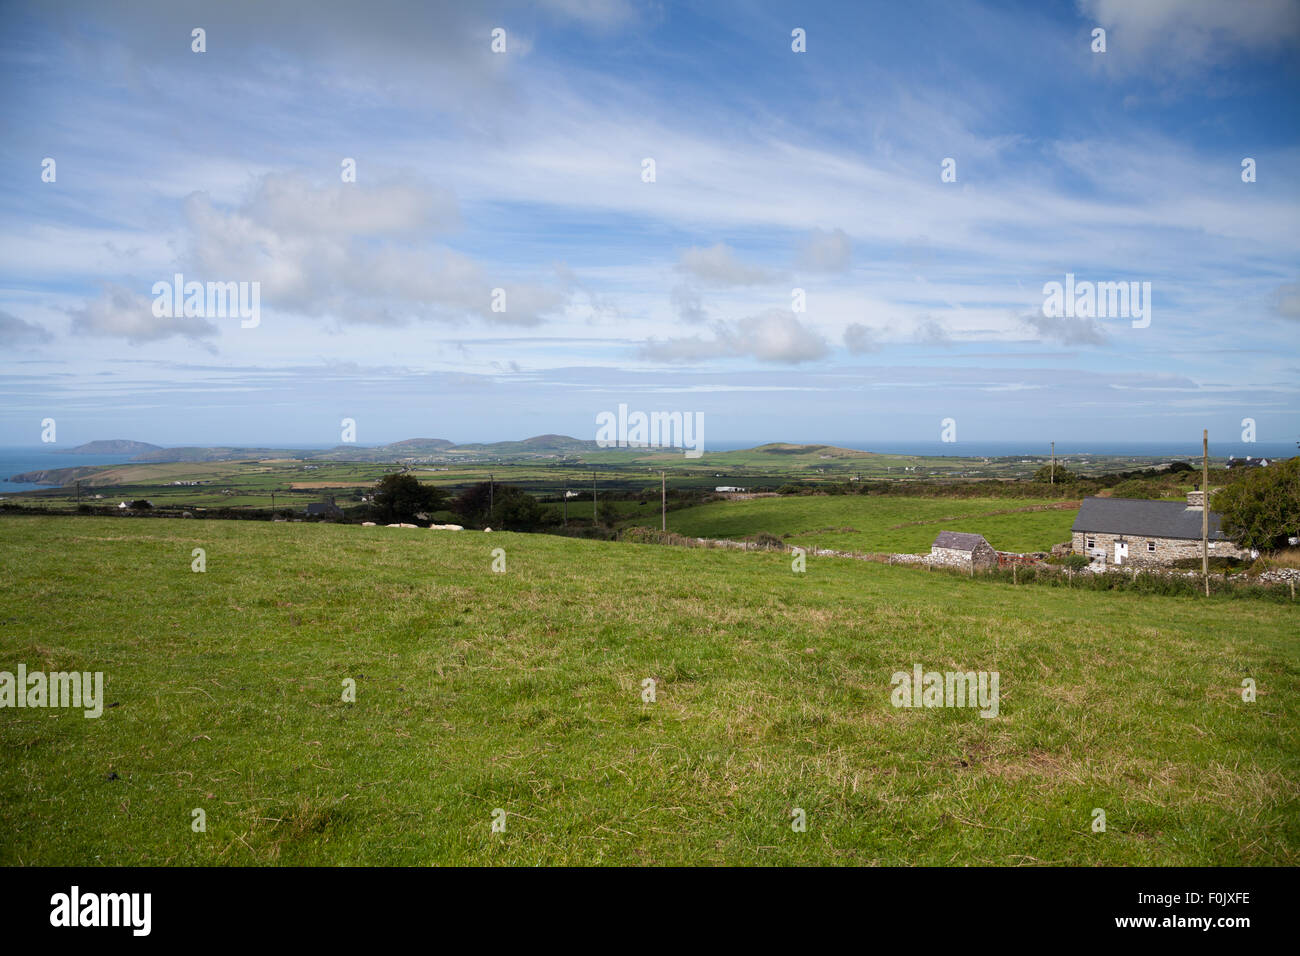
[523, 691]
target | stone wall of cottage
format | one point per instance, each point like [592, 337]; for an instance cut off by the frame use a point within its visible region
[1167, 550]
[983, 556]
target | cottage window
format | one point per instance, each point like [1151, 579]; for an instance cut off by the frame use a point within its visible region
[1092, 542]
[1151, 545]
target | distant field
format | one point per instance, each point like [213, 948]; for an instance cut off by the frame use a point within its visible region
[881, 522]
[522, 691]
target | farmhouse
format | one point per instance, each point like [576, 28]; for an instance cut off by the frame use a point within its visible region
[956, 549]
[325, 508]
[1132, 531]
[1247, 462]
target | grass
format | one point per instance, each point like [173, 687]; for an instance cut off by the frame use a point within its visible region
[522, 691]
[882, 523]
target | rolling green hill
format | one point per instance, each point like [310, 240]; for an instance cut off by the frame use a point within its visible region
[885, 523]
[522, 692]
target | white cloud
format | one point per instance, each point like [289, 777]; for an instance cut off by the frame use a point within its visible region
[718, 265]
[1064, 329]
[356, 253]
[771, 336]
[827, 251]
[860, 339]
[1287, 300]
[14, 332]
[1187, 34]
[119, 312]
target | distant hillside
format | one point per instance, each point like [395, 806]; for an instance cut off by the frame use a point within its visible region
[828, 451]
[218, 454]
[58, 477]
[111, 446]
[537, 445]
[440, 450]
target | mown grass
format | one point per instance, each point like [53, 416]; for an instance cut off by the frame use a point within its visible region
[882, 523]
[522, 691]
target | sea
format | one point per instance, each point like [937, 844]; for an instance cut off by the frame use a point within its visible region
[16, 461]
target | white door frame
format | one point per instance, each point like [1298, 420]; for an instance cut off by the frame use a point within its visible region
[1121, 551]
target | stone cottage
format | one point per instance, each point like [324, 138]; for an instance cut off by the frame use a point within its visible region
[325, 508]
[956, 549]
[1134, 531]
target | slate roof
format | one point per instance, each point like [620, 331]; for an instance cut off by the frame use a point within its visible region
[959, 541]
[1141, 518]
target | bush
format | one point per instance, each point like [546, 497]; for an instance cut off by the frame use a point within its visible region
[1262, 509]
[1075, 562]
[1061, 475]
[1136, 488]
[141, 505]
[399, 497]
[501, 507]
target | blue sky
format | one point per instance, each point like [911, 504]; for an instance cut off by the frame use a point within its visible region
[774, 171]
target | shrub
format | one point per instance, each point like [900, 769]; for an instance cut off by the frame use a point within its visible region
[1136, 488]
[399, 497]
[1262, 509]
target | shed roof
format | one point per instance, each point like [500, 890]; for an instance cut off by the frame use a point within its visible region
[1136, 516]
[959, 541]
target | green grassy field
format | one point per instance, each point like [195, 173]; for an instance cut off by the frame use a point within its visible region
[522, 691]
[882, 523]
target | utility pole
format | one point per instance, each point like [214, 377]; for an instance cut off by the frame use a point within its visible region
[1053, 481]
[490, 498]
[566, 502]
[593, 497]
[663, 499]
[1205, 508]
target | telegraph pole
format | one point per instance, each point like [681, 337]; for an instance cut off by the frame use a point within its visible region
[593, 497]
[490, 499]
[566, 502]
[1205, 508]
[663, 499]
[1053, 481]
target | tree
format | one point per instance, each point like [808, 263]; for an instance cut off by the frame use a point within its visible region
[1062, 475]
[400, 497]
[1262, 509]
[140, 504]
[511, 508]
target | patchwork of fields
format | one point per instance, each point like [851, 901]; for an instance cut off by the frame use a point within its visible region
[882, 523]
[523, 691]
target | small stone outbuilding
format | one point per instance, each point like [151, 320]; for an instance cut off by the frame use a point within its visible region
[956, 549]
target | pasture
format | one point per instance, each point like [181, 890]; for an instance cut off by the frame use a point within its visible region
[522, 692]
[881, 523]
